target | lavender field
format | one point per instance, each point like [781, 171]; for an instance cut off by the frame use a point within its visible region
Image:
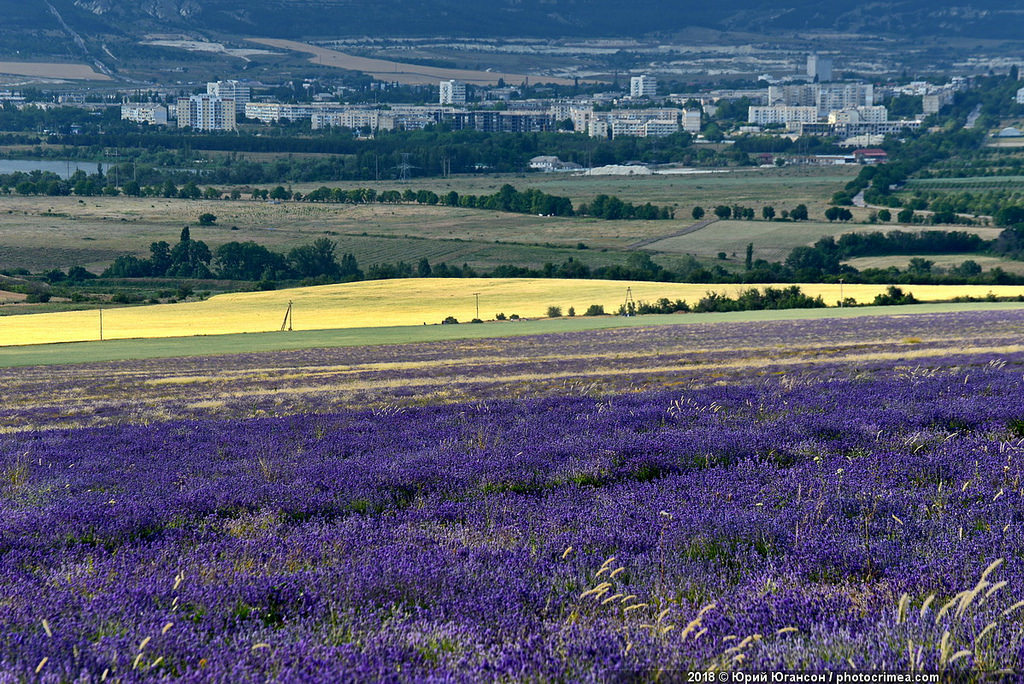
[620, 505]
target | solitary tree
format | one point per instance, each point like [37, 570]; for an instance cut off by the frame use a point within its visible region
[768, 212]
[723, 211]
[697, 213]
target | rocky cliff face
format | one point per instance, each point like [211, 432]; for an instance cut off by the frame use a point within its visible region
[157, 9]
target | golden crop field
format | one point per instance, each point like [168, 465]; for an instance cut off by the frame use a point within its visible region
[59, 70]
[403, 302]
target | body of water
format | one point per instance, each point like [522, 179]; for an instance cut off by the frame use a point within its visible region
[64, 169]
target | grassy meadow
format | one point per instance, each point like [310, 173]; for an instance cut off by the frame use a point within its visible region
[41, 233]
[405, 302]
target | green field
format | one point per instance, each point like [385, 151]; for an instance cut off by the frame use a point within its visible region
[41, 233]
[783, 188]
[112, 350]
[941, 260]
[773, 240]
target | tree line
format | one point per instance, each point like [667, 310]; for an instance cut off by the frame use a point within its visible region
[508, 198]
[237, 261]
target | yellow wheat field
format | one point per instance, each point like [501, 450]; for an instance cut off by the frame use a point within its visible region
[396, 303]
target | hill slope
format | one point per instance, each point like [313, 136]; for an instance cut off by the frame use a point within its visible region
[311, 18]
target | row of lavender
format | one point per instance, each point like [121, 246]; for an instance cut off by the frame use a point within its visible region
[840, 523]
[599, 361]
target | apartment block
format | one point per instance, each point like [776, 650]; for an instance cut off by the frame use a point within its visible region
[781, 114]
[825, 96]
[452, 93]
[152, 114]
[858, 115]
[643, 86]
[691, 121]
[272, 112]
[230, 90]
[206, 113]
[819, 68]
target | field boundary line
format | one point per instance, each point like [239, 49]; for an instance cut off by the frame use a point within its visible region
[692, 228]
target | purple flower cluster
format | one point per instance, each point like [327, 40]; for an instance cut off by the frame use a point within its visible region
[845, 521]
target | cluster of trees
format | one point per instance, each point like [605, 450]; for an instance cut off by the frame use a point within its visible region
[757, 300]
[838, 214]
[824, 258]
[902, 242]
[508, 198]
[725, 211]
[612, 208]
[949, 204]
[237, 261]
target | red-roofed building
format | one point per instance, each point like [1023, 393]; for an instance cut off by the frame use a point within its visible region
[871, 155]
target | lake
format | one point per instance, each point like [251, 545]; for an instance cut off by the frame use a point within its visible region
[64, 169]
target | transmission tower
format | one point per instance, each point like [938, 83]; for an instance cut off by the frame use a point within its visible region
[404, 167]
[629, 306]
[286, 324]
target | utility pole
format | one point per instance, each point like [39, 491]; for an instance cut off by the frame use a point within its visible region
[477, 295]
[101, 325]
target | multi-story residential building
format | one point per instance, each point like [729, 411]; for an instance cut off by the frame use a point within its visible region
[490, 121]
[597, 128]
[356, 119]
[631, 127]
[230, 90]
[581, 118]
[781, 114]
[856, 115]
[1020, 96]
[643, 86]
[793, 95]
[825, 96]
[857, 130]
[206, 113]
[819, 69]
[272, 112]
[691, 121]
[153, 114]
[833, 96]
[660, 127]
[452, 93]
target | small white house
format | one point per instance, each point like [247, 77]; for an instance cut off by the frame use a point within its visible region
[547, 164]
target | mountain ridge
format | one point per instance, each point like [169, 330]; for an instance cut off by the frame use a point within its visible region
[528, 18]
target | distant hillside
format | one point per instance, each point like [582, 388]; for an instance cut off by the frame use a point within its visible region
[313, 18]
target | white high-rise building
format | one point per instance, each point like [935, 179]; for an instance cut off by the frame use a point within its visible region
[452, 93]
[825, 96]
[781, 114]
[859, 115]
[819, 68]
[206, 113]
[230, 90]
[643, 86]
[691, 120]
